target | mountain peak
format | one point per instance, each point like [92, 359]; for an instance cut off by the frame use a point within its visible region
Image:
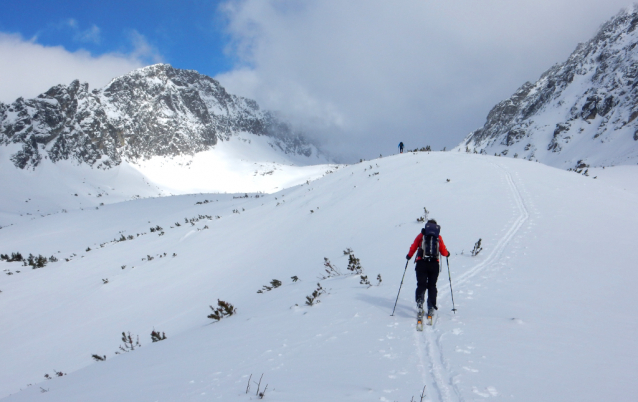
[579, 113]
[154, 110]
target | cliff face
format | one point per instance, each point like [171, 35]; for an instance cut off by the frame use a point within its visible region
[156, 110]
[581, 112]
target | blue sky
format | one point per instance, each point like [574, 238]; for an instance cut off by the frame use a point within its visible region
[357, 76]
[187, 34]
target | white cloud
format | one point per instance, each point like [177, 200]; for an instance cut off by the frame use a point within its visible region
[91, 35]
[376, 72]
[29, 69]
[143, 50]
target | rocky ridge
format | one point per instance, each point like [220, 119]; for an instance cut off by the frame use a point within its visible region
[155, 110]
[579, 113]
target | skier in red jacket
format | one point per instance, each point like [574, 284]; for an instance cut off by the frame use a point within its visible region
[427, 263]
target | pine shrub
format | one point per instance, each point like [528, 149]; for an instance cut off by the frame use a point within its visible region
[224, 309]
[354, 265]
[129, 343]
[477, 248]
[423, 217]
[156, 336]
[313, 298]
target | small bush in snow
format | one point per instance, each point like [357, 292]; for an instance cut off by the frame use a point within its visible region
[57, 374]
[331, 270]
[98, 358]
[224, 309]
[156, 336]
[35, 262]
[354, 265]
[313, 298]
[275, 284]
[129, 343]
[294, 278]
[14, 257]
[105, 281]
[423, 217]
[365, 281]
[477, 248]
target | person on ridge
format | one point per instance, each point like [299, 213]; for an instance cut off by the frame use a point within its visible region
[429, 244]
[401, 147]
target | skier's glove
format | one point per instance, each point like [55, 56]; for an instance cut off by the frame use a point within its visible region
[407, 257]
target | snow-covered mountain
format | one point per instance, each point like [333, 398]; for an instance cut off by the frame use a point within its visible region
[153, 111]
[545, 312]
[154, 132]
[580, 113]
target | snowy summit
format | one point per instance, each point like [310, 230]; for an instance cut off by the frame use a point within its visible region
[580, 113]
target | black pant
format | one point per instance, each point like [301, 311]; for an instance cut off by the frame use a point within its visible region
[427, 273]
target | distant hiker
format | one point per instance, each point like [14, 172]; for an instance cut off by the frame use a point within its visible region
[401, 147]
[429, 244]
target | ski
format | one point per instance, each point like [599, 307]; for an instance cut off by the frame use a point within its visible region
[419, 320]
[430, 316]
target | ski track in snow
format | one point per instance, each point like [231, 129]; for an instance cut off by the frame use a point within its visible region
[497, 252]
[429, 342]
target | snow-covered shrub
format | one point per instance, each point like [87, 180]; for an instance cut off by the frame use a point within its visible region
[477, 248]
[129, 344]
[354, 264]
[98, 358]
[423, 217]
[365, 281]
[36, 262]
[224, 309]
[313, 298]
[156, 336]
[14, 257]
[275, 284]
[331, 270]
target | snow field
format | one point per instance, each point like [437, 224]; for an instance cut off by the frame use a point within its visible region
[544, 311]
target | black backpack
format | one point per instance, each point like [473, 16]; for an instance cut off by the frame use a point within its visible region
[430, 244]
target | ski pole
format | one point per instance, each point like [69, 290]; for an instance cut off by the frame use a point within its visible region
[395, 303]
[451, 291]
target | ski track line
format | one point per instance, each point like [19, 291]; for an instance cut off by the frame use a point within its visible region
[443, 381]
[497, 252]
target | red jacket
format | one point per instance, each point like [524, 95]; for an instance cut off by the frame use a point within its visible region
[417, 245]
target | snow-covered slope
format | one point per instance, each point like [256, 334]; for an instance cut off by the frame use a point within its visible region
[580, 113]
[545, 312]
[241, 163]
